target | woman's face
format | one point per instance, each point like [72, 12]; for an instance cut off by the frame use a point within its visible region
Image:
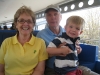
[24, 24]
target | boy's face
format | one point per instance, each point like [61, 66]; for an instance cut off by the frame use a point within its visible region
[73, 30]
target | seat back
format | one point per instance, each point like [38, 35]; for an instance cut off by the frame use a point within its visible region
[8, 33]
[89, 53]
[88, 56]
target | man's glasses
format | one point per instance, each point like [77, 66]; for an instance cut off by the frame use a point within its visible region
[22, 21]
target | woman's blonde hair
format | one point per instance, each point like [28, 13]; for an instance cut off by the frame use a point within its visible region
[24, 9]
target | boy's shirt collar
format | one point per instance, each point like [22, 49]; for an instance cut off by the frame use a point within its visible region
[64, 35]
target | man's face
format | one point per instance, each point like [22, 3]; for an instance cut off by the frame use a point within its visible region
[53, 18]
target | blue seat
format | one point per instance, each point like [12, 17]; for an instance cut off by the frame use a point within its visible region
[89, 56]
[88, 52]
[8, 33]
[97, 66]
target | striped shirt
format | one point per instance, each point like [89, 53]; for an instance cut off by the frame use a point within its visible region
[64, 64]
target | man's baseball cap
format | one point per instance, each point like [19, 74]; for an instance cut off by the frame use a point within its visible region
[55, 7]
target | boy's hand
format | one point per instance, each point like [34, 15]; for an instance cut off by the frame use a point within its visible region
[78, 48]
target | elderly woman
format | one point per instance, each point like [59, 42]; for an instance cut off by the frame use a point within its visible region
[23, 54]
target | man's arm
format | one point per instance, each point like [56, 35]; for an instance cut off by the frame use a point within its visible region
[61, 51]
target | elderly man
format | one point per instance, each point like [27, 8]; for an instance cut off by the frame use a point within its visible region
[53, 29]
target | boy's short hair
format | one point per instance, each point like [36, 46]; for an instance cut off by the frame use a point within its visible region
[76, 20]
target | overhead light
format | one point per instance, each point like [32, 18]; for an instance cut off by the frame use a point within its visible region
[65, 1]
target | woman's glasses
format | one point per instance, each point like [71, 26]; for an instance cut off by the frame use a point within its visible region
[22, 21]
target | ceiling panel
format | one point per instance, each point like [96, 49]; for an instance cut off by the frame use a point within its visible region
[9, 7]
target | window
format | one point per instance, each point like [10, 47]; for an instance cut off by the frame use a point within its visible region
[40, 24]
[91, 32]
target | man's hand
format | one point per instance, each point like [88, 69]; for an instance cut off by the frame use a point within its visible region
[78, 48]
[63, 44]
[65, 49]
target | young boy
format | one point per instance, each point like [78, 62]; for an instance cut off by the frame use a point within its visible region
[67, 65]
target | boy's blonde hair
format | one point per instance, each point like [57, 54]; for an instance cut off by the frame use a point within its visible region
[76, 20]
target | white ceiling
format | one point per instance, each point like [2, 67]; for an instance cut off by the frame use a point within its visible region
[9, 7]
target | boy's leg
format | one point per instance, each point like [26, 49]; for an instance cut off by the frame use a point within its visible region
[76, 72]
[87, 71]
[71, 73]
